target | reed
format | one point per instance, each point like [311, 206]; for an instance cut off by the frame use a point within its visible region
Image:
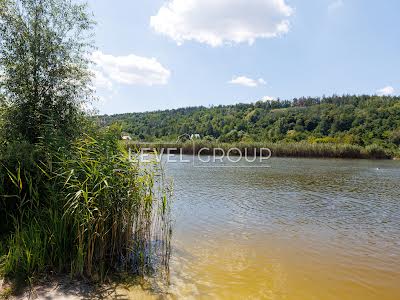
[94, 212]
[300, 149]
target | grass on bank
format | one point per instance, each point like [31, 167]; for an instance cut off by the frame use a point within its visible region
[88, 211]
[299, 149]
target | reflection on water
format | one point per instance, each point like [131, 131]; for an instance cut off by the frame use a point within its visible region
[301, 229]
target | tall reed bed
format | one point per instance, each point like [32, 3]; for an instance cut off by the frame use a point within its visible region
[300, 149]
[94, 212]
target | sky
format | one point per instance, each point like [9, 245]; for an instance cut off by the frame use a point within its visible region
[165, 54]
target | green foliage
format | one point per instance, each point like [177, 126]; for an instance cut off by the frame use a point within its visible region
[70, 200]
[90, 211]
[279, 149]
[395, 137]
[355, 120]
[27, 250]
[111, 204]
[44, 67]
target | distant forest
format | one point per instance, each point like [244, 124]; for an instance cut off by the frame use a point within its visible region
[357, 120]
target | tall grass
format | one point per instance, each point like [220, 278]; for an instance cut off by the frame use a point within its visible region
[299, 149]
[94, 212]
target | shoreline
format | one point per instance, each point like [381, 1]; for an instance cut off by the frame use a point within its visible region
[295, 150]
[63, 287]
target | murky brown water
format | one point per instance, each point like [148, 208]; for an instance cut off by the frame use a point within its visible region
[301, 229]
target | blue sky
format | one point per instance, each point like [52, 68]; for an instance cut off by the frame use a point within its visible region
[167, 54]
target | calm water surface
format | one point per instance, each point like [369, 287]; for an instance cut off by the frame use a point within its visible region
[300, 229]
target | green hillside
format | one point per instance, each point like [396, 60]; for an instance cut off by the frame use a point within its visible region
[357, 120]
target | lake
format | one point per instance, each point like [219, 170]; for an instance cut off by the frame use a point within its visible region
[286, 228]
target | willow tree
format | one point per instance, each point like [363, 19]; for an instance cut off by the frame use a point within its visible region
[44, 67]
[44, 80]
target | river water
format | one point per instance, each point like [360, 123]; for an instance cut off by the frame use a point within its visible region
[286, 228]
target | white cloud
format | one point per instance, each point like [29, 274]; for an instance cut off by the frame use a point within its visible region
[334, 5]
[224, 21]
[101, 81]
[129, 70]
[268, 98]
[245, 81]
[386, 91]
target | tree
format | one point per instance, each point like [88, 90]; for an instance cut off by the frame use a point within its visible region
[395, 137]
[361, 120]
[44, 67]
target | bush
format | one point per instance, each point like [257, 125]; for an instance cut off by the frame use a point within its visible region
[395, 137]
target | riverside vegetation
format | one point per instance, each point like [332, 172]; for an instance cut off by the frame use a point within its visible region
[70, 200]
[280, 149]
[337, 126]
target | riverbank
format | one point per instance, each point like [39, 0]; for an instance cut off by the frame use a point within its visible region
[65, 288]
[301, 149]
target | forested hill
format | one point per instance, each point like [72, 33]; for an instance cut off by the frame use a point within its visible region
[358, 120]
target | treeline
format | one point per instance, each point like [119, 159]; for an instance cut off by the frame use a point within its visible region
[360, 120]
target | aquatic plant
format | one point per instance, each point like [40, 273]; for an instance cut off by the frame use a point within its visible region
[93, 212]
[299, 149]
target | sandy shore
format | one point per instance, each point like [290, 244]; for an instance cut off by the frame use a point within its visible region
[65, 289]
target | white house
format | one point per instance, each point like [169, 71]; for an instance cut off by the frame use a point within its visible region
[126, 138]
[195, 136]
